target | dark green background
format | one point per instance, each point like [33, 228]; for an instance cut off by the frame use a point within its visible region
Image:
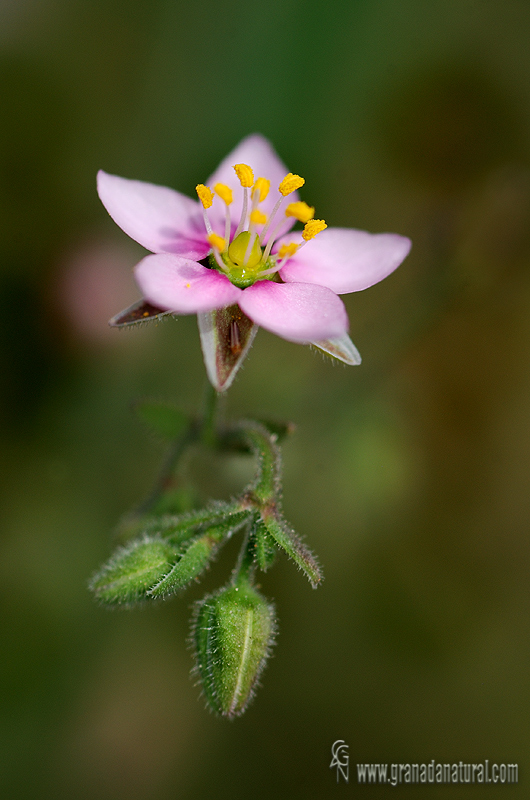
[409, 475]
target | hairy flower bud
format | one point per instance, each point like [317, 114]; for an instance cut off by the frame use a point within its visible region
[133, 570]
[233, 632]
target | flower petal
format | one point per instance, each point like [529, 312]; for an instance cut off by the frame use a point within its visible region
[299, 312]
[182, 285]
[259, 154]
[226, 337]
[342, 348]
[160, 219]
[346, 260]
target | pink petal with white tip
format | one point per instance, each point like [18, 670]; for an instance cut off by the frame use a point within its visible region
[160, 219]
[345, 260]
[183, 286]
[299, 312]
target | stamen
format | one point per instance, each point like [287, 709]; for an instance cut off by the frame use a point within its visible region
[220, 263]
[267, 226]
[246, 178]
[261, 187]
[300, 211]
[272, 238]
[284, 253]
[245, 175]
[257, 217]
[217, 242]
[227, 224]
[206, 197]
[313, 227]
[287, 250]
[290, 184]
[224, 192]
[243, 219]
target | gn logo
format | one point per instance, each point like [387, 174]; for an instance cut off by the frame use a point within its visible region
[340, 759]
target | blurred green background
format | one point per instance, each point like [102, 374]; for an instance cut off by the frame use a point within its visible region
[409, 475]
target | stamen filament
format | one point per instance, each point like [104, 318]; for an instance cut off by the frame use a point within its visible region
[268, 223]
[220, 262]
[285, 252]
[206, 222]
[270, 271]
[227, 226]
[272, 239]
[243, 219]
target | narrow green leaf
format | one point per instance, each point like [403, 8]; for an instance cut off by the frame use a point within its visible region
[264, 546]
[182, 527]
[291, 543]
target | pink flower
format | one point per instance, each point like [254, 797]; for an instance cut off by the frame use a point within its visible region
[230, 258]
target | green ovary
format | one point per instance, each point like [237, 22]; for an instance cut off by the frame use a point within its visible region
[244, 272]
[238, 250]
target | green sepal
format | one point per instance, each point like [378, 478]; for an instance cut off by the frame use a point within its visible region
[233, 634]
[182, 527]
[291, 543]
[163, 419]
[138, 314]
[264, 546]
[226, 337]
[196, 556]
[133, 570]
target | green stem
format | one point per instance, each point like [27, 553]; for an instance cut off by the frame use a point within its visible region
[208, 423]
[266, 487]
[202, 430]
[244, 569]
[176, 451]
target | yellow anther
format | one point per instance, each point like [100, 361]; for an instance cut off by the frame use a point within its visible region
[290, 184]
[205, 195]
[301, 211]
[224, 192]
[287, 250]
[313, 227]
[262, 186]
[257, 217]
[245, 175]
[217, 241]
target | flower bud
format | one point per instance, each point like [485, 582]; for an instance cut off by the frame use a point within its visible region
[133, 570]
[233, 631]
